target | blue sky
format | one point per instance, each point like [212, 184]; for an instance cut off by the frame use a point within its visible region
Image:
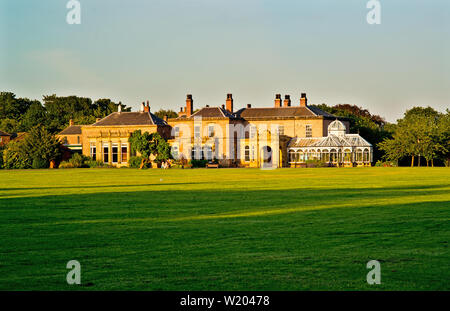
[161, 50]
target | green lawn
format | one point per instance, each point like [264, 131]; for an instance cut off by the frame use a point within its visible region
[228, 229]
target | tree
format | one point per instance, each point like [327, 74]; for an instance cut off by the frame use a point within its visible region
[149, 144]
[15, 156]
[35, 115]
[80, 109]
[41, 144]
[169, 113]
[421, 132]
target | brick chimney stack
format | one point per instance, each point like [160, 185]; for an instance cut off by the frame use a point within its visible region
[277, 100]
[287, 101]
[147, 107]
[303, 100]
[229, 103]
[71, 122]
[189, 105]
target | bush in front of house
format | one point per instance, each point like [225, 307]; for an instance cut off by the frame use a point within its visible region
[198, 163]
[95, 164]
[1, 157]
[65, 164]
[315, 163]
[81, 161]
[135, 162]
[39, 163]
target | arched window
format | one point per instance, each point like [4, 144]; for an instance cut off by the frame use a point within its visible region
[299, 156]
[359, 155]
[291, 156]
[325, 155]
[366, 155]
[333, 155]
[347, 155]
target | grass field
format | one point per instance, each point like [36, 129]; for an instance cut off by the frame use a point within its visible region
[228, 229]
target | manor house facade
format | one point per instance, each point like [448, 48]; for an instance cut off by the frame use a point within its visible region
[247, 137]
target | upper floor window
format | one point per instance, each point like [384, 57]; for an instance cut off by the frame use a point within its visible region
[211, 130]
[308, 130]
[281, 130]
[252, 131]
[176, 131]
[197, 131]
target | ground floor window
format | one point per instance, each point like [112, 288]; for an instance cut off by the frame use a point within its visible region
[93, 151]
[197, 153]
[208, 152]
[124, 151]
[174, 150]
[106, 153]
[366, 155]
[115, 153]
[247, 154]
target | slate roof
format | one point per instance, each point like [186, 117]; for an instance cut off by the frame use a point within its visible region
[130, 118]
[71, 130]
[211, 112]
[274, 112]
[4, 134]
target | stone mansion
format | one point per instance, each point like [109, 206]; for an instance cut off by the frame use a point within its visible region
[285, 135]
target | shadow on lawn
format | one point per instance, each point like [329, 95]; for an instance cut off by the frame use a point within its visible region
[204, 203]
[104, 186]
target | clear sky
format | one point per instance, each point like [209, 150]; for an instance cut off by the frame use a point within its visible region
[134, 50]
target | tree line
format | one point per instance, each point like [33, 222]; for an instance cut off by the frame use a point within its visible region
[421, 135]
[22, 114]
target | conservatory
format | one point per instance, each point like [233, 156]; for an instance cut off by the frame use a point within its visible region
[336, 149]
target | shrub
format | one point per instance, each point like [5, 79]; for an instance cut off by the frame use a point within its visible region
[95, 164]
[135, 162]
[315, 163]
[77, 160]
[198, 163]
[16, 157]
[385, 164]
[39, 163]
[65, 164]
[1, 157]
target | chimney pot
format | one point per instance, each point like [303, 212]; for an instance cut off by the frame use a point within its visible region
[166, 118]
[303, 100]
[287, 101]
[277, 100]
